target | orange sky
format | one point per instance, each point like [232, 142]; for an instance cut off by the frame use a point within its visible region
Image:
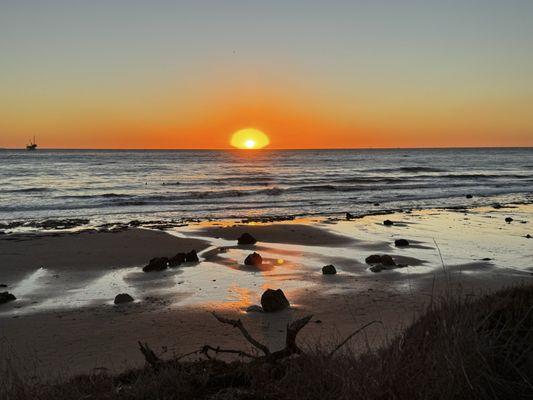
[334, 75]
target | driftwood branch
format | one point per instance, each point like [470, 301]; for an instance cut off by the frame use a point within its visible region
[236, 323]
[149, 355]
[290, 340]
[290, 344]
[351, 335]
[205, 351]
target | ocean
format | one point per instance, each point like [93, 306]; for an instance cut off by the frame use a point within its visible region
[106, 186]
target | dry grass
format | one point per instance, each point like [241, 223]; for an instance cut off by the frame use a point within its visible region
[459, 349]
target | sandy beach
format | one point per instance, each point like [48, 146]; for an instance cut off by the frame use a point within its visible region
[64, 321]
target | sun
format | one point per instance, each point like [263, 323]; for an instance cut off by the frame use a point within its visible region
[250, 139]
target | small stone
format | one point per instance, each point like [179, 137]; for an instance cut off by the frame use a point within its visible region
[349, 216]
[156, 264]
[178, 259]
[469, 196]
[528, 236]
[401, 242]
[388, 222]
[191, 256]
[329, 270]
[246, 239]
[6, 297]
[387, 260]
[123, 298]
[253, 259]
[508, 220]
[274, 300]
[487, 259]
[373, 259]
[376, 268]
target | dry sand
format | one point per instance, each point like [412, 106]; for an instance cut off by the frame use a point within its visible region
[51, 338]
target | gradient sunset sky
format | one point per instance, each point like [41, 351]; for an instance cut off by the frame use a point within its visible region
[328, 74]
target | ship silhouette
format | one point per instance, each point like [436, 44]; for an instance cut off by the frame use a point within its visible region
[32, 145]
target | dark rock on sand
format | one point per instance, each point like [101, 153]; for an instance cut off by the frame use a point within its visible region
[329, 270]
[387, 260]
[274, 300]
[379, 263]
[177, 260]
[123, 298]
[156, 264]
[3, 285]
[349, 216]
[191, 256]
[508, 220]
[528, 236]
[497, 206]
[373, 259]
[401, 242]
[487, 259]
[253, 259]
[6, 297]
[469, 196]
[388, 222]
[246, 238]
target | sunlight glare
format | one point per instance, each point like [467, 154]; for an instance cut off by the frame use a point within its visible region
[249, 138]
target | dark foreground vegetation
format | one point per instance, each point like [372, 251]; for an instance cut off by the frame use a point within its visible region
[460, 349]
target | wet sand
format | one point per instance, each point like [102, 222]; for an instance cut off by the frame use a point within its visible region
[64, 321]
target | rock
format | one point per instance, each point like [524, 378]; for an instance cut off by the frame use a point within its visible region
[349, 216]
[487, 259]
[401, 242]
[6, 297]
[329, 270]
[387, 260]
[254, 308]
[191, 256]
[388, 222]
[156, 264]
[274, 300]
[376, 204]
[177, 260]
[373, 259]
[528, 236]
[469, 196]
[254, 259]
[508, 220]
[123, 298]
[3, 285]
[497, 206]
[246, 238]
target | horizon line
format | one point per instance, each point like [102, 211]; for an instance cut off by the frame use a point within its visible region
[272, 149]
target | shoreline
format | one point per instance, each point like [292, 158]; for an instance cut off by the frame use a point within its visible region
[69, 224]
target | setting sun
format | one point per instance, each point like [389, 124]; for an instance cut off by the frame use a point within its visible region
[249, 138]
